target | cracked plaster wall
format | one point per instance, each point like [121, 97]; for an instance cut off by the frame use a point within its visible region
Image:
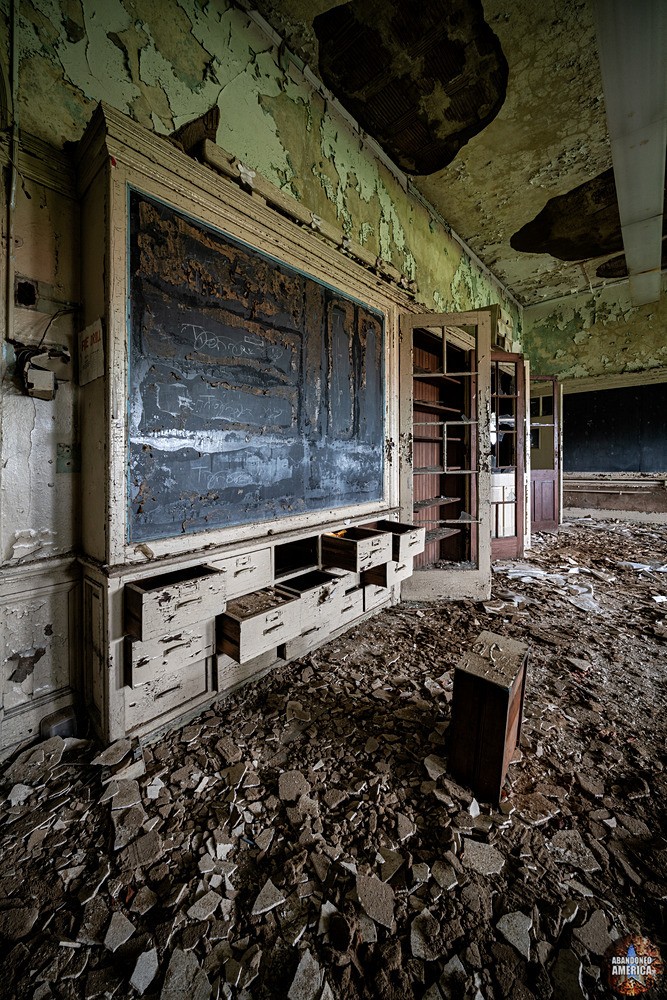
[165, 65]
[595, 335]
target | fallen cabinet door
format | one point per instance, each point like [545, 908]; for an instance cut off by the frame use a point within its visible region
[160, 605]
[145, 661]
[258, 622]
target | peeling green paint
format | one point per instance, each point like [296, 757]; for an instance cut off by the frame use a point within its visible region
[603, 334]
[164, 65]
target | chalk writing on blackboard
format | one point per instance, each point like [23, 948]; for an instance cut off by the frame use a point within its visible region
[255, 391]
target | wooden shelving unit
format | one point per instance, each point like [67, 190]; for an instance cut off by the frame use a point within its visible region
[444, 460]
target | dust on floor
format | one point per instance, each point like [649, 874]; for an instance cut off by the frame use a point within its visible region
[303, 839]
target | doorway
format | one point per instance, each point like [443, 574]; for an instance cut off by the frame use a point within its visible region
[544, 453]
[508, 421]
[445, 406]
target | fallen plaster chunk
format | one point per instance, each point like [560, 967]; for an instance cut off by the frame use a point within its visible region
[292, 785]
[185, 980]
[17, 922]
[114, 754]
[377, 899]
[445, 875]
[19, 793]
[435, 766]
[515, 928]
[571, 850]
[567, 976]
[268, 899]
[307, 982]
[481, 858]
[594, 935]
[424, 937]
[144, 971]
[119, 931]
[205, 907]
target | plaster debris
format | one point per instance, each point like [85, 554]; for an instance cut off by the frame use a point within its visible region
[307, 983]
[377, 899]
[515, 928]
[482, 858]
[228, 885]
[114, 754]
[268, 899]
[120, 930]
[144, 971]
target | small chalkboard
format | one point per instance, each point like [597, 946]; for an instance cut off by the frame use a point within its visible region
[255, 391]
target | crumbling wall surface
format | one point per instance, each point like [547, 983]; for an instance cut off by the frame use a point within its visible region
[166, 64]
[596, 335]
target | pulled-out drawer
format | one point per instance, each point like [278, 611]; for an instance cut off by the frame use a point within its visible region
[144, 661]
[245, 572]
[318, 591]
[161, 605]
[258, 622]
[168, 692]
[356, 549]
[389, 573]
[374, 596]
[407, 540]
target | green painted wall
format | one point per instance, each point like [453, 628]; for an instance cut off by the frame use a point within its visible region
[600, 334]
[164, 64]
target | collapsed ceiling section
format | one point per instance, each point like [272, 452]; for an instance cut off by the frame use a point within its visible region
[421, 79]
[494, 106]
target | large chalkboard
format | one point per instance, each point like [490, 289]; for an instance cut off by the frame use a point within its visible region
[616, 430]
[255, 391]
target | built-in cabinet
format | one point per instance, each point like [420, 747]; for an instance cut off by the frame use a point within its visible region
[189, 371]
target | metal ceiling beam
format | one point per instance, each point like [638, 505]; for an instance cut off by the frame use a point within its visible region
[632, 44]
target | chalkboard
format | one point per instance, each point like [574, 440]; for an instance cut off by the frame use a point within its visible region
[616, 430]
[255, 391]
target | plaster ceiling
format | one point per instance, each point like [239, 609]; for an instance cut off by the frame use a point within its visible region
[544, 138]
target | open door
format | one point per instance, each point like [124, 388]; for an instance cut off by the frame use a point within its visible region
[508, 421]
[544, 453]
[445, 410]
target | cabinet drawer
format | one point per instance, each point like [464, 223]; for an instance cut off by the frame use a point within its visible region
[161, 605]
[356, 549]
[145, 661]
[317, 591]
[258, 622]
[229, 672]
[374, 596]
[346, 610]
[245, 572]
[407, 540]
[389, 573]
[170, 691]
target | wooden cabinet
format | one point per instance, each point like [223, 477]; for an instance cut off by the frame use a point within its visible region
[356, 549]
[487, 704]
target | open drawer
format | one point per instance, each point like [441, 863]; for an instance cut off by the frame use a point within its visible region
[356, 549]
[257, 622]
[407, 540]
[160, 605]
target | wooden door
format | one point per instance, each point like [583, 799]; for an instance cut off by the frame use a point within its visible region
[508, 421]
[445, 401]
[544, 453]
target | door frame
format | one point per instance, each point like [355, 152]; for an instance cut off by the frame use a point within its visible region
[557, 470]
[439, 584]
[512, 547]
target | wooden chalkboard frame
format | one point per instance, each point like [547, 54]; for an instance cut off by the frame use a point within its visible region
[298, 390]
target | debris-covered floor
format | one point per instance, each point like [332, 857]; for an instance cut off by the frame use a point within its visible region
[303, 840]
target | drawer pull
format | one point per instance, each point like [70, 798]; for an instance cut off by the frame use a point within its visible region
[163, 694]
[274, 628]
[244, 569]
[415, 541]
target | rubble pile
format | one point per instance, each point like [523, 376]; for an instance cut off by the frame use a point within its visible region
[303, 839]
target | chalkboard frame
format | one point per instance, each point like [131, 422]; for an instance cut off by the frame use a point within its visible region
[321, 513]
